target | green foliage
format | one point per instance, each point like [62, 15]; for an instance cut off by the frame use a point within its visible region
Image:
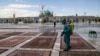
[92, 32]
[26, 21]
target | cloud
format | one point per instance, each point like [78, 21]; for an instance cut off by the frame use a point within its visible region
[21, 10]
[65, 12]
[18, 0]
[21, 6]
[64, 9]
[18, 6]
[67, 9]
[5, 12]
[25, 13]
[52, 7]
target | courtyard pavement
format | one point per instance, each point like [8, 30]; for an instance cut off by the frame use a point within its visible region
[31, 40]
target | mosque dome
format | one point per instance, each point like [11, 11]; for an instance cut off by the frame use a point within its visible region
[46, 13]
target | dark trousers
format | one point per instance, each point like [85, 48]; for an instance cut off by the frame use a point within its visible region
[67, 41]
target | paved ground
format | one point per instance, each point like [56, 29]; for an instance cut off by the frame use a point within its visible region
[28, 40]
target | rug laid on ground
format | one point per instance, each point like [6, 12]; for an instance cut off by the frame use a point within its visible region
[77, 42]
[80, 47]
[11, 42]
[30, 53]
[2, 50]
[41, 42]
[80, 53]
[30, 34]
[49, 34]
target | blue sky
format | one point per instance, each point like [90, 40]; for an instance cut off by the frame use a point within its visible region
[59, 7]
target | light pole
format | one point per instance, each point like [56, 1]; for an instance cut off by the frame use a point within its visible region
[14, 16]
[85, 16]
[42, 13]
[84, 13]
[42, 7]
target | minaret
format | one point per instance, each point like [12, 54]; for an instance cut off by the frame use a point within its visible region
[42, 13]
[76, 14]
[42, 7]
[84, 13]
[14, 16]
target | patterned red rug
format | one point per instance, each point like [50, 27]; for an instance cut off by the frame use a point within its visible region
[13, 33]
[75, 35]
[30, 34]
[77, 43]
[80, 53]
[41, 43]
[47, 37]
[13, 41]
[2, 33]
[2, 50]
[8, 34]
[3, 37]
[30, 53]
[49, 34]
